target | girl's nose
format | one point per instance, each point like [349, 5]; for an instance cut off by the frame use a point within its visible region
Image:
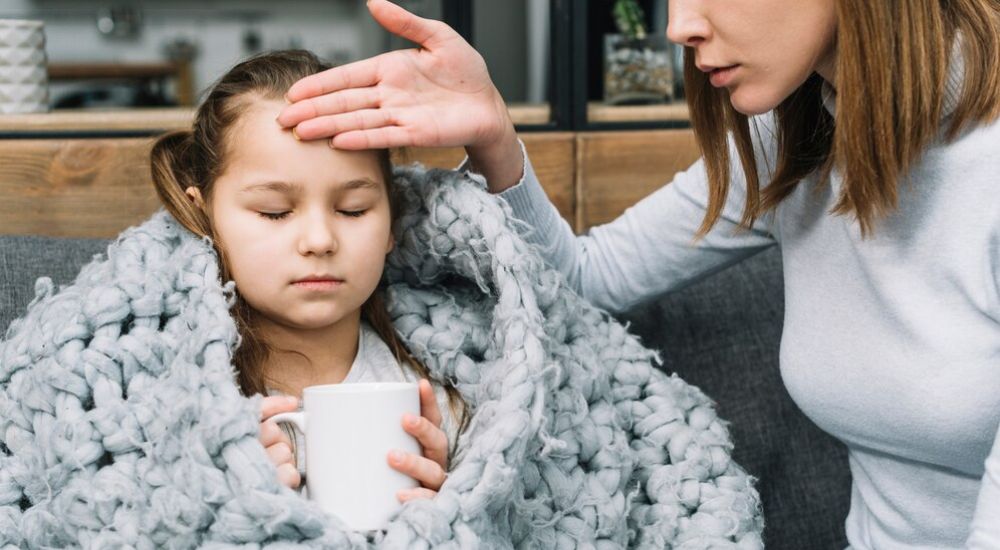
[686, 25]
[318, 237]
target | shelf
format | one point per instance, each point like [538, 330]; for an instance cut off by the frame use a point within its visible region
[166, 118]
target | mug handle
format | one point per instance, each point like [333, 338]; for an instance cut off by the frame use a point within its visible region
[297, 419]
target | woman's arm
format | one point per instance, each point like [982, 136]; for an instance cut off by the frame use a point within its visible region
[985, 532]
[649, 249]
[440, 95]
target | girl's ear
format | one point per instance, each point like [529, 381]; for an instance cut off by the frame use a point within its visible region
[391, 244]
[195, 195]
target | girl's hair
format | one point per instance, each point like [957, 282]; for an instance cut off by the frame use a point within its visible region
[197, 157]
[892, 67]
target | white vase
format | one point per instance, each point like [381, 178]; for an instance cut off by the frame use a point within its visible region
[23, 77]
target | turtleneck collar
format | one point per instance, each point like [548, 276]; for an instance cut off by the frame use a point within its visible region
[952, 85]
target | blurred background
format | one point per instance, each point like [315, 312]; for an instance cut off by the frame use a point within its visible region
[565, 64]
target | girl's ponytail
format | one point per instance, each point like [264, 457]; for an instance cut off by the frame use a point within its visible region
[174, 170]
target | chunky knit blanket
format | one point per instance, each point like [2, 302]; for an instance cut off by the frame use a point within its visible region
[121, 424]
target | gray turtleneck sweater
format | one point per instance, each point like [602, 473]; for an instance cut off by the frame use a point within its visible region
[891, 343]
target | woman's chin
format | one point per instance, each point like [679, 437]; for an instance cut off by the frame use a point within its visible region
[752, 102]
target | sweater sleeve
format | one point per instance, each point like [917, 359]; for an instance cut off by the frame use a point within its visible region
[650, 249]
[985, 530]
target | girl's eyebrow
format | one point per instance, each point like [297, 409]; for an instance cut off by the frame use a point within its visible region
[293, 187]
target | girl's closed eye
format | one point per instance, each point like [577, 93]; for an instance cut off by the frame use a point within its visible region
[274, 215]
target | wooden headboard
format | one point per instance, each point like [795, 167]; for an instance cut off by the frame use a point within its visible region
[87, 175]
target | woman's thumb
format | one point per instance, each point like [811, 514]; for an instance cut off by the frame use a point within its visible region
[425, 32]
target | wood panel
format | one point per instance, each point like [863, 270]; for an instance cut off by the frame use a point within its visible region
[97, 187]
[617, 169]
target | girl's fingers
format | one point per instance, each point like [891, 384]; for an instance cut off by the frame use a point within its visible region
[270, 406]
[271, 434]
[426, 471]
[407, 495]
[280, 453]
[428, 33]
[360, 74]
[433, 441]
[428, 403]
[326, 126]
[289, 476]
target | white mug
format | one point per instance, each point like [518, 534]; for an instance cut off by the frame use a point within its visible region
[349, 430]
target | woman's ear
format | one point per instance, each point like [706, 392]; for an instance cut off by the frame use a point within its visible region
[391, 244]
[195, 195]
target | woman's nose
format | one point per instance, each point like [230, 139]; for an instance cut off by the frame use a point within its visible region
[318, 237]
[686, 25]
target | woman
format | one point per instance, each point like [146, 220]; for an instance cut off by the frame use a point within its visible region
[862, 138]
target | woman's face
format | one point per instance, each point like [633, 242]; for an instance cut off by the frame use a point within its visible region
[305, 228]
[760, 50]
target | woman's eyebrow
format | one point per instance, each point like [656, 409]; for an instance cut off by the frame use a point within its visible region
[292, 187]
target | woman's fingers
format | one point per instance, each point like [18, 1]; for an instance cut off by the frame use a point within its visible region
[360, 74]
[429, 473]
[428, 33]
[344, 101]
[407, 495]
[365, 119]
[378, 138]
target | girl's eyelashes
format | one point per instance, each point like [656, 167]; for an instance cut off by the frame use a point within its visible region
[281, 215]
[273, 215]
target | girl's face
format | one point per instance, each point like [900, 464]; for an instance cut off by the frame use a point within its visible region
[761, 50]
[305, 228]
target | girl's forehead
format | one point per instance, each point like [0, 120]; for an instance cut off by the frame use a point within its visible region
[257, 143]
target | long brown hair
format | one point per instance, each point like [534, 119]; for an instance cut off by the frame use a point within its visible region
[892, 68]
[197, 157]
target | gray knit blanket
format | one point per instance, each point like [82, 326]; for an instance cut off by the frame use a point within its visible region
[121, 424]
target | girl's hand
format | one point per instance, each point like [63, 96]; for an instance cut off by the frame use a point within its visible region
[437, 95]
[275, 440]
[429, 469]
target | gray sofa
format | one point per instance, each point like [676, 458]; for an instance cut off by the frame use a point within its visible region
[721, 335]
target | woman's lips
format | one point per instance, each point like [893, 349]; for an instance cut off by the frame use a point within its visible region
[722, 76]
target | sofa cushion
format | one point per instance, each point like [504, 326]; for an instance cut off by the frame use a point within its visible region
[23, 259]
[722, 335]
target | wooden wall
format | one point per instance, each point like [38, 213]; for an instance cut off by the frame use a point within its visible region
[96, 187]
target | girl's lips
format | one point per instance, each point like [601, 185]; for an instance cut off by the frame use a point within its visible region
[723, 76]
[318, 284]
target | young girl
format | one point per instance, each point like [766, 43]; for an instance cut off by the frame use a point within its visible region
[303, 230]
[874, 164]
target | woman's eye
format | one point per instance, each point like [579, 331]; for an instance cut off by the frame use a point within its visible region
[273, 215]
[353, 213]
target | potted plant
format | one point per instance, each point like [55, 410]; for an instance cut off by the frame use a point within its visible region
[637, 66]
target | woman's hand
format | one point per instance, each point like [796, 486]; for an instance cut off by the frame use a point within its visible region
[275, 440]
[437, 95]
[429, 469]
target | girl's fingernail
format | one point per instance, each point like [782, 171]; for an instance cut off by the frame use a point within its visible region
[396, 456]
[296, 135]
[288, 101]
